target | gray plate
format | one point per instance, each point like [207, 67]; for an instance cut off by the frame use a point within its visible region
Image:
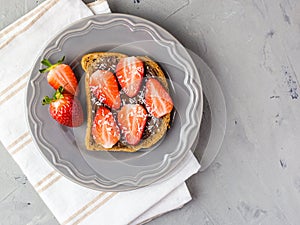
[63, 147]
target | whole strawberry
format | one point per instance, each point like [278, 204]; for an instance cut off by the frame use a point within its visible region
[60, 75]
[65, 108]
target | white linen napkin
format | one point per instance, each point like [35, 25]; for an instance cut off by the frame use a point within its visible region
[20, 44]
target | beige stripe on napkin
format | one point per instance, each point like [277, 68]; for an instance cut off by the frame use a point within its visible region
[30, 15]
[44, 179]
[19, 143]
[82, 209]
[48, 185]
[88, 213]
[12, 89]
[19, 139]
[15, 151]
[41, 13]
[12, 85]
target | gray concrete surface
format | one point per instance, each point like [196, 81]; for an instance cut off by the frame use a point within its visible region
[253, 47]
[19, 203]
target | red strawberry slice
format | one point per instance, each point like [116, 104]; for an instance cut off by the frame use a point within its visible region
[105, 130]
[65, 108]
[104, 86]
[132, 121]
[60, 75]
[130, 73]
[157, 100]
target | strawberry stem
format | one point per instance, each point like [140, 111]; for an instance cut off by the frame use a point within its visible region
[61, 60]
[46, 62]
[49, 65]
[57, 95]
[46, 100]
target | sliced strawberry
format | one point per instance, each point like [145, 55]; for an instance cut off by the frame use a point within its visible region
[105, 130]
[65, 108]
[157, 100]
[104, 86]
[60, 75]
[132, 121]
[130, 73]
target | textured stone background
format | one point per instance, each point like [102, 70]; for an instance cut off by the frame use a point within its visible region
[253, 47]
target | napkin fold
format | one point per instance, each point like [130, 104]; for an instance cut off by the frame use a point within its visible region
[20, 44]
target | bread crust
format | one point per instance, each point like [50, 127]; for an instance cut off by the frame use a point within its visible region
[87, 64]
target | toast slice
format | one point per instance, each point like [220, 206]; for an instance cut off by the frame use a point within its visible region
[108, 61]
